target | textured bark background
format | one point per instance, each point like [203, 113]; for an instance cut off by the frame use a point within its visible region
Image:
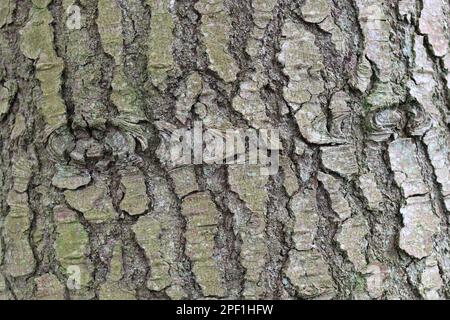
[359, 90]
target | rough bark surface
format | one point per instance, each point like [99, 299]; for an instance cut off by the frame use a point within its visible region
[359, 89]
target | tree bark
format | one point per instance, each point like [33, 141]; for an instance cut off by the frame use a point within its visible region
[91, 92]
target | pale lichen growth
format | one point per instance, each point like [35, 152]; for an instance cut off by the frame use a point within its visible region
[420, 225]
[290, 181]
[189, 96]
[250, 186]
[37, 44]
[215, 29]
[6, 10]
[124, 96]
[334, 188]
[22, 170]
[371, 191]
[385, 123]
[376, 275]
[420, 222]
[148, 231]
[352, 239]
[211, 115]
[155, 234]
[363, 75]
[70, 177]
[72, 248]
[248, 101]
[422, 86]
[313, 124]
[302, 63]
[262, 15]
[135, 201]
[19, 126]
[340, 159]
[18, 256]
[358, 89]
[404, 163]
[434, 23]
[93, 201]
[378, 50]
[202, 218]
[427, 121]
[306, 268]
[430, 280]
[184, 180]
[113, 289]
[315, 11]
[319, 12]
[407, 8]
[4, 293]
[109, 22]
[437, 140]
[84, 72]
[160, 57]
[303, 206]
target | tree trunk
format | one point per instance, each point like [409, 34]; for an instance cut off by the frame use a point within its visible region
[93, 92]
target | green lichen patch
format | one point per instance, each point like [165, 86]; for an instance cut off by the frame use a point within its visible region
[135, 201]
[148, 232]
[37, 43]
[18, 256]
[202, 218]
[69, 177]
[72, 245]
[160, 57]
[112, 289]
[215, 29]
[22, 171]
[6, 10]
[93, 201]
[109, 22]
[124, 96]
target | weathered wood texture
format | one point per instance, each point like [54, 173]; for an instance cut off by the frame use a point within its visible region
[359, 90]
